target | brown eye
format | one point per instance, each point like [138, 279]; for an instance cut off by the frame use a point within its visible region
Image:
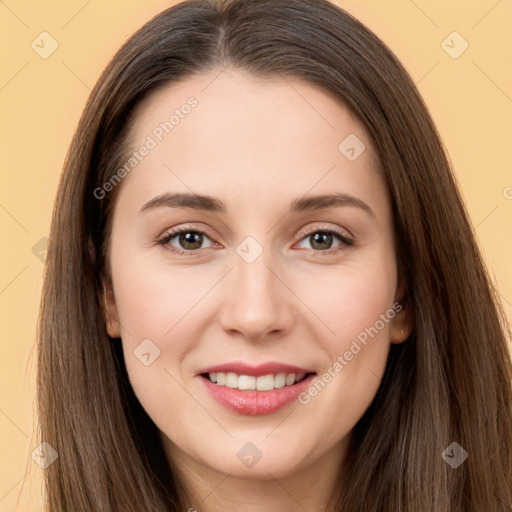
[322, 240]
[190, 240]
[187, 240]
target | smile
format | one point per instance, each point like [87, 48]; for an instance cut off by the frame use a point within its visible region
[263, 383]
[255, 390]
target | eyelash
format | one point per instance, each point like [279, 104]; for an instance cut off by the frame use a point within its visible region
[164, 241]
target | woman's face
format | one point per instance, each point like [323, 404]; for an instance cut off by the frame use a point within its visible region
[288, 263]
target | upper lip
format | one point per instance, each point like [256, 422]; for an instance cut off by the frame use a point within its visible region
[241, 368]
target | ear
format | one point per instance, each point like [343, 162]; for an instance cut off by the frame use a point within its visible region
[403, 322]
[110, 309]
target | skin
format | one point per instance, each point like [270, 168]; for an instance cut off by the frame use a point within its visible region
[257, 145]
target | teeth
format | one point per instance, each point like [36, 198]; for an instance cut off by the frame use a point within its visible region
[262, 383]
[265, 383]
[290, 379]
[231, 380]
[246, 382]
[280, 380]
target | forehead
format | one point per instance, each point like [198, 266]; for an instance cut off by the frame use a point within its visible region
[228, 132]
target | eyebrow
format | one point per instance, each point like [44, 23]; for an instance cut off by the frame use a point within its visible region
[212, 204]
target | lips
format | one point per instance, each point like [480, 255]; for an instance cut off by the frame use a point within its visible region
[270, 368]
[255, 390]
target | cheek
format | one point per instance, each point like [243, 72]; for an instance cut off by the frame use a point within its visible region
[351, 299]
[156, 307]
[156, 310]
[152, 297]
[355, 306]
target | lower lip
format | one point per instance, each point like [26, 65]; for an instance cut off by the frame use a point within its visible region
[256, 403]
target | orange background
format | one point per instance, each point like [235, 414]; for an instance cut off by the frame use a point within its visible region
[41, 101]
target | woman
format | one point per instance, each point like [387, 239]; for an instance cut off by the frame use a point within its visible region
[195, 354]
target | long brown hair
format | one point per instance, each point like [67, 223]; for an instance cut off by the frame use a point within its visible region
[449, 382]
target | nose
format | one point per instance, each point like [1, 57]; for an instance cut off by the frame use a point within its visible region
[258, 303]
